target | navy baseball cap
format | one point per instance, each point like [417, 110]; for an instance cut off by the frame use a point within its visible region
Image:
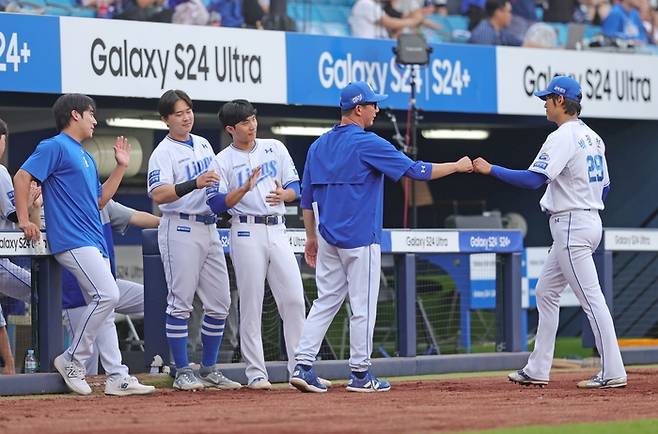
[359, 92]
[562, 85]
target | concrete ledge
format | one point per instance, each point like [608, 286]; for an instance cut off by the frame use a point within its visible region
[639, 355]
[395, 366]
[32, 384]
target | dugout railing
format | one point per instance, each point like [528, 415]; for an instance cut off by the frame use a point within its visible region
[406, 247]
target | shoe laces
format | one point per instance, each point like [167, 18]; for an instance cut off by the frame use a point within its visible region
[186, 377]
[75, 370]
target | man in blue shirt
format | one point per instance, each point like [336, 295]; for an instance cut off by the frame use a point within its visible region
[73, 196]
[344, 175]
[494, 30]
[624, 22]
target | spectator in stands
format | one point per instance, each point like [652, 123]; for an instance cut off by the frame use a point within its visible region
[192, 12]
[624, 22]
[524, 14]
[474, 11]
[145, 10]
[493, 30]
[596, 11]
[647, 16]
[561, 11]
[368, 20]
[230, 11]
[396, 9]
[253, 12]
[540, 35]
[5, 350]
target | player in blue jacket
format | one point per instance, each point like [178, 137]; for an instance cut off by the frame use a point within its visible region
[344, 176]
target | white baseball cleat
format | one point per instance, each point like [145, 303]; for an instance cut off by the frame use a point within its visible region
[214, 378]
[260, 383]
[597, 382]
[128, 385]
[520, 377]
[73, 374]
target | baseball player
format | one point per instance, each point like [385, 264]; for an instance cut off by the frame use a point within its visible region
[259, 245]
[191, 252]
[15, 279]
[72, 197]
[5, 350]
[117, 217]
[344, 175]
[572, 162]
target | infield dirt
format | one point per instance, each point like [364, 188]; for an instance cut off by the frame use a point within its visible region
[444, 405]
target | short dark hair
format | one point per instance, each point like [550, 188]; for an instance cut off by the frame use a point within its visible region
[3, 128]
[169, 99]
[65, 104]
[236, 111]
[570, 107]
[491, 6]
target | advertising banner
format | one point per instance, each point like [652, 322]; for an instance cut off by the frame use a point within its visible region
[29, 54]
[139, 59]
[616, 86]
[459, 78]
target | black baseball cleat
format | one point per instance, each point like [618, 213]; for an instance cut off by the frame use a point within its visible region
[520, 377]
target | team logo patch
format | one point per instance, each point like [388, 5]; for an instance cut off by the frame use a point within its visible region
[10, 195]
[154, 176]
[244, 234]
[540, 164]
[224, 240]
[183, 229]
[544, 157]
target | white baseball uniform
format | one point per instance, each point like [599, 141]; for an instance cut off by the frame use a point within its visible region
[573, 159]
[191, 252]
[15, 279]
[260, 248]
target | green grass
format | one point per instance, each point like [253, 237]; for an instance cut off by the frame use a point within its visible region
[644, 426]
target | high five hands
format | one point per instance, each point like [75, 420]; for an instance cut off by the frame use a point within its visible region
[481, 166]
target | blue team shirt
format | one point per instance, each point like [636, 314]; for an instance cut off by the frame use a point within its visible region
[344, 174]
[71, 189]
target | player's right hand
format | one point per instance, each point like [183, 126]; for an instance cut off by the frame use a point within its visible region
[31, 231]
[465, 165]
[311, 252]
[480, 165]
[253, 178]
[207, 179]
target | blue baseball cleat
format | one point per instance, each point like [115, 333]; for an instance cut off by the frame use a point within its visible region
[369, 383]
[305, 380]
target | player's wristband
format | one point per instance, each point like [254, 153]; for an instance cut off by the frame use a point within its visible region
[185, 187]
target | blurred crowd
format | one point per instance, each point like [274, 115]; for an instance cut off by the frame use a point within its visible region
[490, 22]
[510, 22]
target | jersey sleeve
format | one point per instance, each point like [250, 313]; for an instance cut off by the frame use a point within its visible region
[288, 171]
[6, 193]
[553, 156]
[120, 216]
[382, 155]
[43, 160]
[160, 171]
[606, 175]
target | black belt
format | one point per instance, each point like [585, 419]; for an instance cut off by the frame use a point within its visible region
[206, 219]
[262, 219]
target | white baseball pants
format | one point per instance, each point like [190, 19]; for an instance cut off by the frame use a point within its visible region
[131, 302]
[340, 273]
[576, 234]
[100, 290]
[258, 252]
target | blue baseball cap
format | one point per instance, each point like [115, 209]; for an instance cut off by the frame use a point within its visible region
[562, 85]
[359, 92]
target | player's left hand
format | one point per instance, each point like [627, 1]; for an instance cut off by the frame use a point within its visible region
[311, 251]
[480, 165]
[122, 151]
[276, 196]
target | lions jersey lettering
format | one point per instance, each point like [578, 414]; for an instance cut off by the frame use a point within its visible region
[268, 170]
[573, 159]
[235, 166]
[173, 162]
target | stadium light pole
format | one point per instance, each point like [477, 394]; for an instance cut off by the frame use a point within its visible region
[412, 51]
